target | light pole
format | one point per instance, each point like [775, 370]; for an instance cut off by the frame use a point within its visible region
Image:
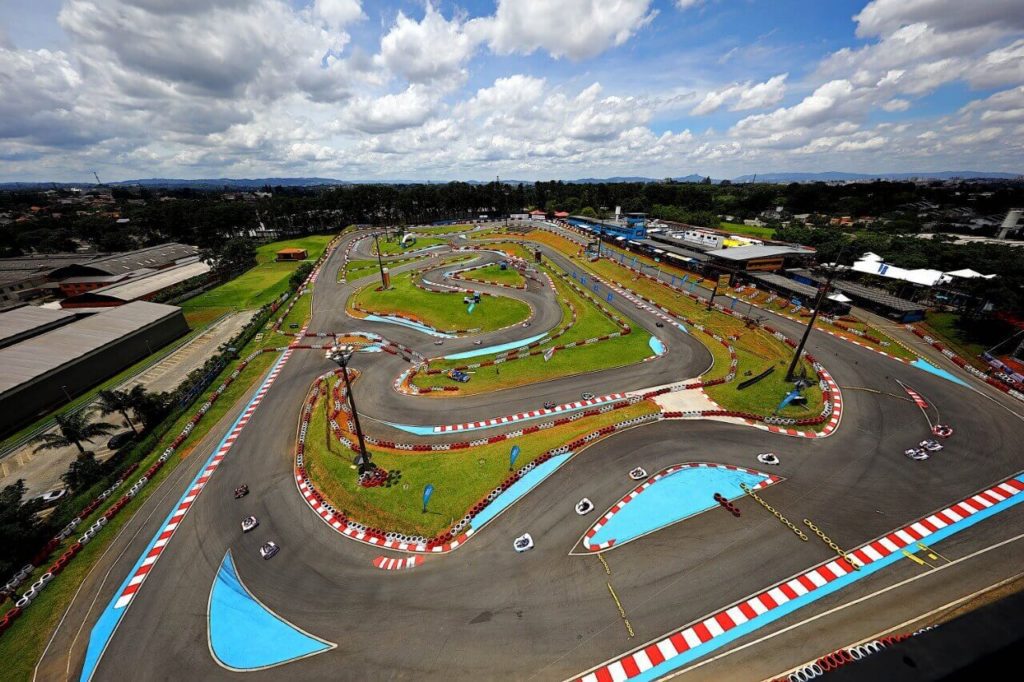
[814, 315]
[380, 263]
[342, 356]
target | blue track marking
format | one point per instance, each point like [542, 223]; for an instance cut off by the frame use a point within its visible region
[671, 499]
[932, 369]
[106, 624]
[476, 352]
[528, 482]
[246, 635]
[656, 345]
[410, 324]
[839, 583]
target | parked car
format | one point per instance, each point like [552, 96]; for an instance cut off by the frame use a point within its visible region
[51, 497]
[584, 506]
[269, 549]
[248, 523]
[119, 440]
[638, 474]
[523, 543]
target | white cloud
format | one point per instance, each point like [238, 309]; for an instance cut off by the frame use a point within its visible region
[390, 112]
[896, 104]
[882, 17]
[433, 49]
[744, 96]
[577, 29]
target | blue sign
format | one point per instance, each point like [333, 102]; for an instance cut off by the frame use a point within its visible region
[732, 306]
[583, 280]
[513, 453]
[470, 308]
[574, 276]
[428, 490]
[673, 282]
[609, 297]
[595, 287]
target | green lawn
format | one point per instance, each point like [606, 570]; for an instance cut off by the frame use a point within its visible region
[748, 230]
[393, 247]
[460, 477]
[756, 349]
[442, 311]
[510, 277]
[442, 229]
[590, 323]
[943, 327]
[260, 284]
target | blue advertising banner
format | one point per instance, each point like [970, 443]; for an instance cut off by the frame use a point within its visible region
[428, 490]
[513, 453]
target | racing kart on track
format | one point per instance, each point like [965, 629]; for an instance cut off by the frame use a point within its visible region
[638, 474]
[768, 458]
[584, 506]
[917, 454]
[248, 523]
[523, 543]
[241, 491]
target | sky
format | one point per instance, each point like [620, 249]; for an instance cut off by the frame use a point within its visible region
[521, 89]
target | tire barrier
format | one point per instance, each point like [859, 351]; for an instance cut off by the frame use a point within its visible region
[726, 504]
[841, 657]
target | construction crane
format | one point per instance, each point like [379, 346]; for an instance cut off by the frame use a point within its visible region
[97, 178]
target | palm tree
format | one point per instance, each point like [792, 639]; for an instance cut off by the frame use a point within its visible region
[72, 429]
[121, 402]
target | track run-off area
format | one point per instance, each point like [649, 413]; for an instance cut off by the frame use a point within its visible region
[585, 370]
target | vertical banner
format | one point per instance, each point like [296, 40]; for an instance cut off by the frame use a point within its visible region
[634, 261]
[583, 279]
[428, 490]
[469, 310]
[673, 282]
[609, 297]
[512, 454]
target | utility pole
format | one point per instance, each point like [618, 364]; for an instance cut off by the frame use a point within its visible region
[822, 293]
[380, 263]
[342, 356]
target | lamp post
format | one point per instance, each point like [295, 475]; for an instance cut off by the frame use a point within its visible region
[342, 356]
[822, 293]
[380, 263]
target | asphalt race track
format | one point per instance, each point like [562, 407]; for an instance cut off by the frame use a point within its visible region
[486, 612]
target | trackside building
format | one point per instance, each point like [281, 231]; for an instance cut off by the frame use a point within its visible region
[42, 371]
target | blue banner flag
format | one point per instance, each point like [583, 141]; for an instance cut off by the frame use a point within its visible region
[513, 453]
[609, 297]
[583, 280]
[470, 308]
[428, 490]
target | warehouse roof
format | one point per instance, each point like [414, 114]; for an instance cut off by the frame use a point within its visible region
[879, 296]
[786, 283]
[23, 321]
[739, 253]
[139, 288]
[119, 263]
[34, 358]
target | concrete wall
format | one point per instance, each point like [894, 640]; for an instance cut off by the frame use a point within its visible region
[31, 400]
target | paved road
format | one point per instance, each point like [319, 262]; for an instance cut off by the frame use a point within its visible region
[485, 612]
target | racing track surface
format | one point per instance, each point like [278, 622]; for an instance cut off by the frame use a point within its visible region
[485, 612]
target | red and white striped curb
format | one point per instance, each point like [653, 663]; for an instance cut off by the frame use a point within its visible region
[617, 507]
[918, 400]
[186, 502]
[388, 564]
[512, 418]
[357, 533]
[694, 635]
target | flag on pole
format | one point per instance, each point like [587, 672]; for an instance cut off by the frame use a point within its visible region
[513, 453]
[428, 490]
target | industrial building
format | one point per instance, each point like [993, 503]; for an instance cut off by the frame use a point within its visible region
[141, 285]
[764, 258]
[52, 359]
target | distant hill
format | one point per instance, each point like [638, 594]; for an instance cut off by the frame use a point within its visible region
[838, 176]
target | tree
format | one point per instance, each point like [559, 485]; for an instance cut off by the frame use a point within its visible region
[83, 472]
[588, 212]
[121, 402]
[72, 429]
[151, 408]
[21, 533]
[231, 256]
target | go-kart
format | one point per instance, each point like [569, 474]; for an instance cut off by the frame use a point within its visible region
[768, 458]
[638, 474]
[241, 491]
[917, 454]
[523, 543]
[930, 445]
[248, 523]
[942, 430]
[549, 404]
[269, 549]
[584, 506]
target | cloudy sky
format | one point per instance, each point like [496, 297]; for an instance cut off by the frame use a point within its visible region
[525, 89]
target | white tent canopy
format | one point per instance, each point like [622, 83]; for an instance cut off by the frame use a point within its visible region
[872, 264]
[968, 274]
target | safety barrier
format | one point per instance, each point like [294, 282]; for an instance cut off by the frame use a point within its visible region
[840, 657]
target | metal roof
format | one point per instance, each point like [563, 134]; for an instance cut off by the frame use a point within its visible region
[150, 257]
[752, 252]
[786, 283]
[879, 296]
[34, 358]
[23, 320]
[158, 281]
[675, 250]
